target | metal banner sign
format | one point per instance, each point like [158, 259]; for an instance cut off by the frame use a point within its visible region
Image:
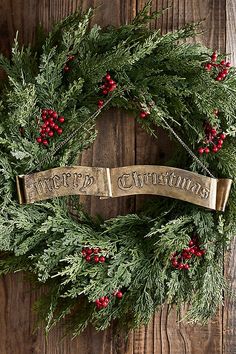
[165, 181]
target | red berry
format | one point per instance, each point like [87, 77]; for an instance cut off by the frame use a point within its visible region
[89, 251]
[50, 112]
[220, 141]
[200, 150]
[198, 253]
[45, 142]
[50, 133]
[71, 58]
[143, 114]
[222, 62]
[100, 103]
[192, 250]
[44, 117]
[111, 82]
[207, 150]
[228, 64]
[225, 71]
[186, 266]
[191, 243]
[59, 131]
[222, 75]
[54, 115]
[222, 136]
[213, 132]
[112, 87]
[214, 56]
[106, 302]
[39, 139]
[175, 263]
[96, 250]
[215, 149]
[102, 299]
[102, 259]
[181, 266]
[52, 124]
[96, 259]
[66, 69]
[44, 112]
[61, 119]
[108, 76]
[104, 92]
[88, 258]
[208, 66]
[56, 127]
[218, 78]
[47, 129]
[119, 294]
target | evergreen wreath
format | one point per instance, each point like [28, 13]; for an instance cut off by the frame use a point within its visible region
[126, 267]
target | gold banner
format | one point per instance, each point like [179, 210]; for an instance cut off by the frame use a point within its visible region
[165, 181]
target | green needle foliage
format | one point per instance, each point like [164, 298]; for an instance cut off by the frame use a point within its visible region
[158, 74]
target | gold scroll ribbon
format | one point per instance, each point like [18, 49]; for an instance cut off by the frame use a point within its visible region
[165, 181]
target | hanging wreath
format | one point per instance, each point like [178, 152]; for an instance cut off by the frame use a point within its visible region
[126, 267]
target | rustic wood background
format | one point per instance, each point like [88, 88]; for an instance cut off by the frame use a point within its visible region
[127, 145]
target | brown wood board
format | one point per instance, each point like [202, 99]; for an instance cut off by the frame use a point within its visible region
[128, 145]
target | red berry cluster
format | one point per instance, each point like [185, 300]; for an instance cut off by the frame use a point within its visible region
[213, 140]
[222, 68]
[92, 254]
[50, 125]
[103, 302]
[108, 85]
[179, 260]
[67, 65]
[143, 114]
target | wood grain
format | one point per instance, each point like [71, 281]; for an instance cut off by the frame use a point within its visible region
[128, 144]
[229, 314]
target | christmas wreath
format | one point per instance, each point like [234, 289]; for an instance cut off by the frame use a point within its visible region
[126, 267]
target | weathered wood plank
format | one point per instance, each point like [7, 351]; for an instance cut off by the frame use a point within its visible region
[163, 335]
[229, 313]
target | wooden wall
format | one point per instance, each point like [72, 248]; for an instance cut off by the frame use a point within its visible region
[127, 145]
